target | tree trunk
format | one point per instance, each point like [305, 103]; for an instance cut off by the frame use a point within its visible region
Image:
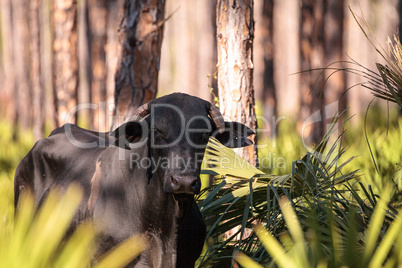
[113, 52]
[21, 63]
[35, 74]
[312, 56]
[84, 65]
[98, 13]
[65, 67]
[333, 38]
[7, 63]
[269, 93]
[46, 57]
[235, 33]
[141, 35]
[189, 48]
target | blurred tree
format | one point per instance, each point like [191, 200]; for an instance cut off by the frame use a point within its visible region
[235, 33]
[269, 91]
[46, 57]
[113, 53]
[35, 70]
[334, 52]
[141, 36]
[189, 48]
[7, 63]
[98, 14]
[65, 61]
[312, 56]
[20, 40]
[321, 33]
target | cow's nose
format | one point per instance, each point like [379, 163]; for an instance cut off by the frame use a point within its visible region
[185, 184]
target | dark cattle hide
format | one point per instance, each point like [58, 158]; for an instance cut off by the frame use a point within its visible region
[138, 179]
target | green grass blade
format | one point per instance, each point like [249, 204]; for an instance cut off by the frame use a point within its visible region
[124, 253]
[274, 248]
[246, 261]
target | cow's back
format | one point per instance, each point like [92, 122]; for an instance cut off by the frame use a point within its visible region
[68, 154]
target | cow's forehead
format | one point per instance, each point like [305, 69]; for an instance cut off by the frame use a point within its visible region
[180, 109]
[175, 119]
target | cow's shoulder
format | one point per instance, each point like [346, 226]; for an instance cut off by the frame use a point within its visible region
[67, 147]
[74, 133]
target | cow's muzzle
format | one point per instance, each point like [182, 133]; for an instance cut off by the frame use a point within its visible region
[184, 184]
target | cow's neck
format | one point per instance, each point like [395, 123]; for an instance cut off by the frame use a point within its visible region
[148, 193]
[173, 209]
[184, 203]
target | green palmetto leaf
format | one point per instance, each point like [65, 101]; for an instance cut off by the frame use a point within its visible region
[246, 261]
[274, 248]
[223, 160]
[124, 253]
[39, 239]
[243, 196]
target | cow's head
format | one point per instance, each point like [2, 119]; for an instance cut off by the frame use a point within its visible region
[178, 127]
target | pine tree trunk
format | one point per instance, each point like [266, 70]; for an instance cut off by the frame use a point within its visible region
[7, 100]
[98, 13]
[84, 65]
[113, 52]
[46, 56]
[141, 35]
[35, 74]
[65, 61]
[269, 91]
[334, 51]
[312, 56]
[235, 33]
[21, 63]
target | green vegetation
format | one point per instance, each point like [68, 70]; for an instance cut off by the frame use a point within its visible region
[377, 168]
[11, 152]
[37, 239]
[334, 203]
[336, 218]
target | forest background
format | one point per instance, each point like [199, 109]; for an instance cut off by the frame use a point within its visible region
[49, 78]
[59, 62]
[65, 61]
[286, 42]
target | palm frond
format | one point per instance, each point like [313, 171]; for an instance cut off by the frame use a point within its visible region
[243, 196]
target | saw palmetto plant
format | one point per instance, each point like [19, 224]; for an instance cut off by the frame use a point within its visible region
[385, 82]
[345, 250]
[334, 213]
[37, 239]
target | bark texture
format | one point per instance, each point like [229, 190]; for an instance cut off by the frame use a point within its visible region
[235, 34]
[140, 36]
[65, 61]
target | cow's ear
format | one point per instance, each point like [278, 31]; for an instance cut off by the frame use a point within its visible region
[127, 133]
[235, 135]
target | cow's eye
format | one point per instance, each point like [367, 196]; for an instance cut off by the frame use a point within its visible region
[157, 133]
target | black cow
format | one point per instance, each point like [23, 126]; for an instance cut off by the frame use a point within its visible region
[139, 178]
